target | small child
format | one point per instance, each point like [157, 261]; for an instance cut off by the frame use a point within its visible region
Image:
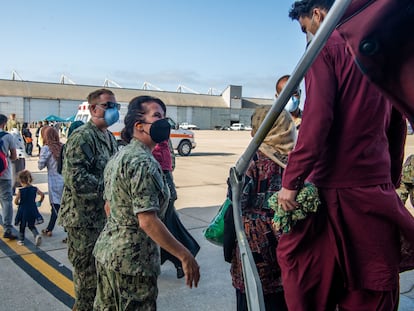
[406, 189]
[27, 212]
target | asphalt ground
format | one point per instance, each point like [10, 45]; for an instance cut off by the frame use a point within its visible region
[39, 278]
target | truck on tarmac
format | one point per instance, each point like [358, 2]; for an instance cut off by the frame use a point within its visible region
[182, 140]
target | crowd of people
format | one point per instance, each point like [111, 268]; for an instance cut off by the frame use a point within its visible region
[81, 192]
[117, 206]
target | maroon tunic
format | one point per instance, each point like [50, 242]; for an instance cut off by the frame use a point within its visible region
[351, 146]
[162, 154]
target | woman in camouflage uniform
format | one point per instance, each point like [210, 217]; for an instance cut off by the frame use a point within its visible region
[127, 255]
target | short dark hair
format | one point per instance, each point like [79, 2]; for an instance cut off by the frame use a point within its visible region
[282, 78]
[304, 8]
[95, 94]
[136, 113]
[3, 119]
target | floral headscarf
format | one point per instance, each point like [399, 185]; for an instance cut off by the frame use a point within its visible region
[281, 138]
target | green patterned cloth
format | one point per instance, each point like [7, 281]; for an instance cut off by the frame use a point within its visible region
[308, 200]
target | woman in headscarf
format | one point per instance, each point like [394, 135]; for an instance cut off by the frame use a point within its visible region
[49, 157]
[263, 178]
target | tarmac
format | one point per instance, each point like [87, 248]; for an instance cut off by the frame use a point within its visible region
[39, 278]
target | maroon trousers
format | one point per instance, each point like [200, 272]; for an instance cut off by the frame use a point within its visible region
[347, 254]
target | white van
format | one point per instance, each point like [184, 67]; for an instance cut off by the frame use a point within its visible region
[182, 140]
[237, 127]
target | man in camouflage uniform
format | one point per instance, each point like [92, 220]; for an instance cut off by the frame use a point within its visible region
[406, 188]
[12, 123]
[82, 211]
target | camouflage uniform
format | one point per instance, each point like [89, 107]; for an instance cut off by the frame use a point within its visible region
[406, 188]
[82, 211]
[128, 258]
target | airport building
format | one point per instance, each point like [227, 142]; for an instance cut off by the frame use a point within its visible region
[34, 101]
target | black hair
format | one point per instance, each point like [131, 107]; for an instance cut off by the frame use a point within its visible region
[304, 8]
[136, 113]
[282, 78]
[3, 119]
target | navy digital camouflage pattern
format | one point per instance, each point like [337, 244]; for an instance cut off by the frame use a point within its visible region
[87, 152]
[134, 292]
[134, 183]
[406, 189]
[82, 213]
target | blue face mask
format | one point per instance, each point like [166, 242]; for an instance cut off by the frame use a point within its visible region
[111, 116]
[292, 104]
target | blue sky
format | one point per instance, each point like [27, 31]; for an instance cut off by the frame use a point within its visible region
[198, 44]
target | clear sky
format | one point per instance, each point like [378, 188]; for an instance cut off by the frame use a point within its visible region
[197, 44]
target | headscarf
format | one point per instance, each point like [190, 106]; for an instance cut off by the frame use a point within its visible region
[51, 139]
[281, 138]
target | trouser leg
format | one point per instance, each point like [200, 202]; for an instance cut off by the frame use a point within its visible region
[116, 291]
[81, 242]
[53, 216]
[34, 230]
[22, 228]
[368, 300]
[6, 198]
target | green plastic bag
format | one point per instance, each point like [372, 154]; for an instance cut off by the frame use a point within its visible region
[215, 230]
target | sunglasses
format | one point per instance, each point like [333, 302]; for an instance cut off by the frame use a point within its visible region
[109, 105]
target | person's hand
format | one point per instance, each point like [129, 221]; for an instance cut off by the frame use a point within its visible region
[191, 270]
[287, 199]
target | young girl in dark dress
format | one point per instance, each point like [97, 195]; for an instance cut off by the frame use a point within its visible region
[27, 212]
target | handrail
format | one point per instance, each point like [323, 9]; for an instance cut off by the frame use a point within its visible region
[253, 286]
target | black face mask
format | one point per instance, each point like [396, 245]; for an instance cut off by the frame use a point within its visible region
[160, 130]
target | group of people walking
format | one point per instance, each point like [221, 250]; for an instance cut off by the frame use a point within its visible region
[112, 204]
[26, 194]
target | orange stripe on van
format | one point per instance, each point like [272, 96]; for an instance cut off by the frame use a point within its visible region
[181, 135]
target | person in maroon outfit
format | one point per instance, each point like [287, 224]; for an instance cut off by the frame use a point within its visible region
[351, 143]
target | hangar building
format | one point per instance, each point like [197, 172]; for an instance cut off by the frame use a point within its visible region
[33, 101]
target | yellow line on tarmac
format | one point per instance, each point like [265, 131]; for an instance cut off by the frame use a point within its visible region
[50, 273]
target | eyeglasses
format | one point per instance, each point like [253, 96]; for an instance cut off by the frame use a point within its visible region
[110, 105]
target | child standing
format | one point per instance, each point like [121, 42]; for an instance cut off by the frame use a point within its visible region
[27, 212]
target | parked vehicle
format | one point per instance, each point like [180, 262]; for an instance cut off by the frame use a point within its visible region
[188, 126]
[237, 127]
[182, 140]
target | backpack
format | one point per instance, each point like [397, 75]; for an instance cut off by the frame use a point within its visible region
[4, 164]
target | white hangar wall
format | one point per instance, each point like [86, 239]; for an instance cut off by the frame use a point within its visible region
[33, 101]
